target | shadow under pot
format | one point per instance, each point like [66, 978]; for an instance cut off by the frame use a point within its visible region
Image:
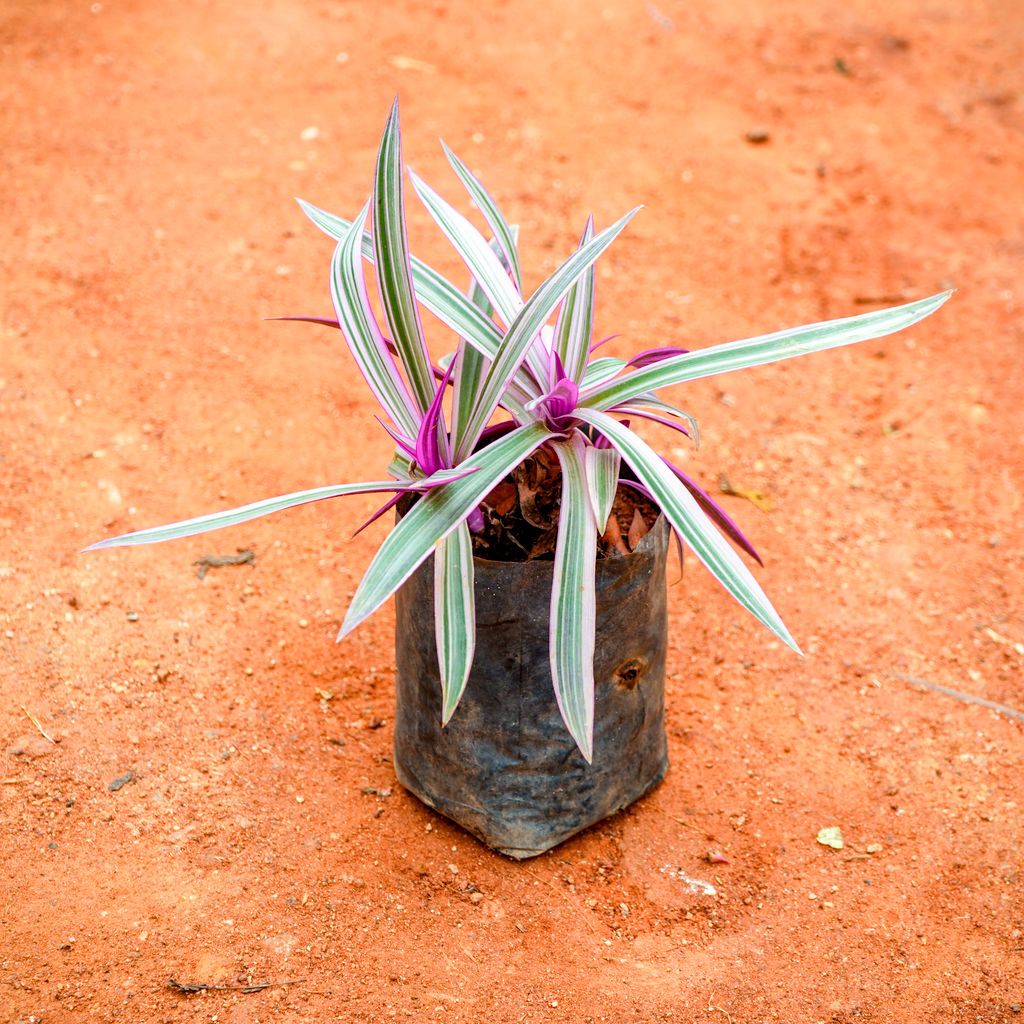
[505, 767]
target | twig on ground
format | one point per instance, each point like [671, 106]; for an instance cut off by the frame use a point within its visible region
[191, 988]
[712, 1008]
[680, 821]
[35, 721]
[969, 698]
[208, 562]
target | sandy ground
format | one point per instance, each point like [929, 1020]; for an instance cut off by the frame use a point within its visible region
[196, 781]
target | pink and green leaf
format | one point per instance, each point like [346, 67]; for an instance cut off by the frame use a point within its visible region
[600, 370]
[454, 615]
[244, 513]
[689, 521]
[653, 408]
[574, 599]
[432, 450]
[767, 348]
[359, 326]
[650, 356]
[715, 512]
[504, 234]
[601, 467]
[435, 515]
[434, 292]
[394, 268]
[470, 367]
[483, 263]
[575, 322]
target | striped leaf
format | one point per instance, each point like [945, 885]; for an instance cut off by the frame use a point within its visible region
[687, 519]
[434, 516]
[332, 225]
[393, 266]
[576, 319]
[574, 599]
[470, 367]
[359, 325]
[601, 467]
[504, 234]
[454, 615]
[487, 269]
[653, 408]
[242, 514]
[600, 370]
[767, 348]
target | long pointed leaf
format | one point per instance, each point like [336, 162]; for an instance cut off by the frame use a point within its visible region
[435, 292]
[503, 233]
[432, 445]
[242, 514]
[359, 325]
[454, 615]
[715, 512]
[470, 367]
[685, 516]
[576, 319]
[767, 348]
[487, 269]
[434, 516]
[653, 408]
[573, 599]
[490, 263]
[392, 263]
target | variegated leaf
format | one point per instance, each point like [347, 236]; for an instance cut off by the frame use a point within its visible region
[485, 266]
[576, 319]
[767, 348]
[526, 326]
[504, 233]
[689, 521]
[601, 469]
[454, 615]
[393, 265]
[573, 598]
[359, 326]
[242, 514]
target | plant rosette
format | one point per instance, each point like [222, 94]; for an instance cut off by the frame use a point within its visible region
[523, 383]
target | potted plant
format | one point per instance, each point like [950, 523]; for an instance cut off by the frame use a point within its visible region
[503, 601]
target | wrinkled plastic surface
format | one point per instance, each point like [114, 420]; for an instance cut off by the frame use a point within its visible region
[505, 768]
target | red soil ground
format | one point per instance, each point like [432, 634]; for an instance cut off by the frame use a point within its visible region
[150, 152]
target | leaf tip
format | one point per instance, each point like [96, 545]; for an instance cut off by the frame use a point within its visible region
[788, 640]
[123, 541]
[349, 623]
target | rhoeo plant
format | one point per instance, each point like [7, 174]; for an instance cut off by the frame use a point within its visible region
[531, 360]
